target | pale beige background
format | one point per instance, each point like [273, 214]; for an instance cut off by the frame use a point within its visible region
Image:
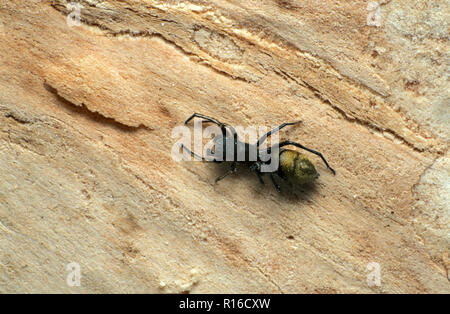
[86, 114]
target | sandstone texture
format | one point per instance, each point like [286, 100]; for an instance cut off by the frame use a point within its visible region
[87, 177]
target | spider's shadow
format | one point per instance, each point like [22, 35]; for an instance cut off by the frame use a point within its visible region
[289, 193]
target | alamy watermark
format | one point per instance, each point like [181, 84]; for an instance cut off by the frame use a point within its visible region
[374, 16]
[374, 276]
[73, 279]
[74, 16]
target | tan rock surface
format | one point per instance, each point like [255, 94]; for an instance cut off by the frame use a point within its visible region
[86, 115]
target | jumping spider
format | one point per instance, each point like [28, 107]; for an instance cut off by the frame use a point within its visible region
[293, 167]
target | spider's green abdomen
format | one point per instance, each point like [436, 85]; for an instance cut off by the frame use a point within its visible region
[296, 168]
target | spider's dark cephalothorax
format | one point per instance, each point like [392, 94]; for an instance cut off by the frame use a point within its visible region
[293, 166]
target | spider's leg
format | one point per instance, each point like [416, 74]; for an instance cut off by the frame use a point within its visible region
[206, 118]
[231, 171]
[197, 156]
[192, 153]
[222, 126]
[260, 177]
[263, 138]
[285, 143]
[275, 183]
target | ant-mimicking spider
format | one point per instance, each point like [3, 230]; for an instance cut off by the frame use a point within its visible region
[293, 167]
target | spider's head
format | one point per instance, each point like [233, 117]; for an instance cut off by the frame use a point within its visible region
[296, 168]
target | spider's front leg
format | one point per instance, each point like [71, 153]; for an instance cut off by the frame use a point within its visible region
[223, 126]
[197, 156]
